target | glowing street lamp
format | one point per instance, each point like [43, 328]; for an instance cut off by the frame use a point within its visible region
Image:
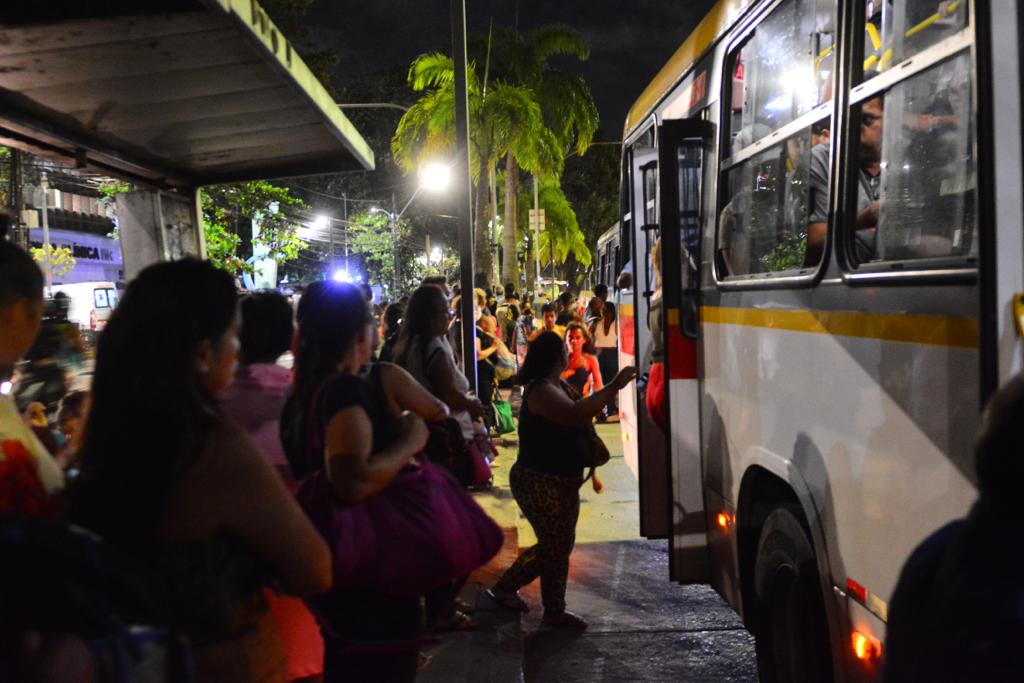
[435, 177]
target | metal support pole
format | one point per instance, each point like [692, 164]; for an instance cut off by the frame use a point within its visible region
[463, 191]
[428, 253]
[44, 182]
[344, 204]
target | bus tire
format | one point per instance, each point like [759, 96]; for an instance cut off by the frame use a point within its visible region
[791, 627]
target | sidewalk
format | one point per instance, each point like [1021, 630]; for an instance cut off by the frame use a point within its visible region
[641, 626]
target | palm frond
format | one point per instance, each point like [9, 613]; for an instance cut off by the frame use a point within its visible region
[557, 39]
[431, 70]
[569, 109]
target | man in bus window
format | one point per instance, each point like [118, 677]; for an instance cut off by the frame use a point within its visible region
[733, 237]
[869, 186]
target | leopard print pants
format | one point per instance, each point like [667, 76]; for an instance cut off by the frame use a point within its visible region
[551, 504]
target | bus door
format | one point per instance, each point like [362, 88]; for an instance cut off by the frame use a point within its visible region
[643, 440]
[682, 149]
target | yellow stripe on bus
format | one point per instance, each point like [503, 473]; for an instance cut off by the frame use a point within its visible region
[937, 330]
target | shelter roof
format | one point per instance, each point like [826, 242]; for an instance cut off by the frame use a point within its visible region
[172, 93]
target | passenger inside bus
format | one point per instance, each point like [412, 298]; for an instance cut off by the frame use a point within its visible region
[869, 182]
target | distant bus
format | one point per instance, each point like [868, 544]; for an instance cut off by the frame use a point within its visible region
[607, 258]
[833, 190]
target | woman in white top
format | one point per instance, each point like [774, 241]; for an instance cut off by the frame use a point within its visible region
[606, 339]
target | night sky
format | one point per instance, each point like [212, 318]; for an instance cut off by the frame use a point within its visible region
[630, 39]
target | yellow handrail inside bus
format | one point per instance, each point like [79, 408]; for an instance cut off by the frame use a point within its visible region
[950, 8]
[884, 61]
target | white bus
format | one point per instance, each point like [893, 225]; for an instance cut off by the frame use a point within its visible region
[835, 186]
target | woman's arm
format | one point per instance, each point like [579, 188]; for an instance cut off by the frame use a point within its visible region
[408, 394]
[482, 353]
[442, 378]
[236, 486]
[595, 372]
[354, 472]
[555, 404]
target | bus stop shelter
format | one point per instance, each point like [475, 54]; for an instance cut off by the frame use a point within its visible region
[169, 95]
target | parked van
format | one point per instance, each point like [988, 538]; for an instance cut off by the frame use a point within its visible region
[90, 303]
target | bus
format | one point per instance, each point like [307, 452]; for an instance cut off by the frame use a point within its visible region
[821, 224]
[607, 258]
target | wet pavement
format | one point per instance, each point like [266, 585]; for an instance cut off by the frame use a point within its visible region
[642, 627]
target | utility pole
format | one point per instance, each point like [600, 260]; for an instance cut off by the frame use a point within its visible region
[44, 182]
[536, 225]
[394, 240]
[428, 253]
[330, 240]
[463, 191]
[16, 199]
[344, 208]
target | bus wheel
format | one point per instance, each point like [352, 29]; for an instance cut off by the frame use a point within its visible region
[791, 629]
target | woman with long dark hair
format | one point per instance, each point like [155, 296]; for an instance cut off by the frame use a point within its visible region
[547, 476]
[166, 477]
[367, 635]
[423, 350]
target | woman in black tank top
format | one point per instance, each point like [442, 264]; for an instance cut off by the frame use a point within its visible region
[546, 478]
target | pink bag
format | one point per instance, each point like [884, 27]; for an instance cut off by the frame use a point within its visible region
[416, 535]
[481, 453]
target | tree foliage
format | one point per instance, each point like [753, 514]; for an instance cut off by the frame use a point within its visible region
[371, 238]
[62, 261]
[504, 120]
[227, 214]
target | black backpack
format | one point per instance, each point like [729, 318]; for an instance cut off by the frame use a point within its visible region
[58, 580]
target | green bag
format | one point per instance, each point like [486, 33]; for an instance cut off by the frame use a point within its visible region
[503, 422]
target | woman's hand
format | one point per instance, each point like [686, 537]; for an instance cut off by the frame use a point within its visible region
[625, 376]
[475, 408]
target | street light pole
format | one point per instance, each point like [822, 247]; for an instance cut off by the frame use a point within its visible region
[463, 191]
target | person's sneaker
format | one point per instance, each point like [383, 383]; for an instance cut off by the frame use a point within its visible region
[564, 620]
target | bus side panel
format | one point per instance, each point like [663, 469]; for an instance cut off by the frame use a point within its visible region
[879, 431]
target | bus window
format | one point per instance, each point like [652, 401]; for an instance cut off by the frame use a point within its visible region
[650, 199]
[786, 69]
[916, 181]
[896, 30]
[774, 200]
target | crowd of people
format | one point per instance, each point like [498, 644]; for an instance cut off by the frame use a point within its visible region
[192, 460]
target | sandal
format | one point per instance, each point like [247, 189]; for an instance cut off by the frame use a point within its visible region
[511, 600]
[564, 619]
[458, 621]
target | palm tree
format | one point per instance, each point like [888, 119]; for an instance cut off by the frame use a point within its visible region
[568, 109]
[503, 120]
